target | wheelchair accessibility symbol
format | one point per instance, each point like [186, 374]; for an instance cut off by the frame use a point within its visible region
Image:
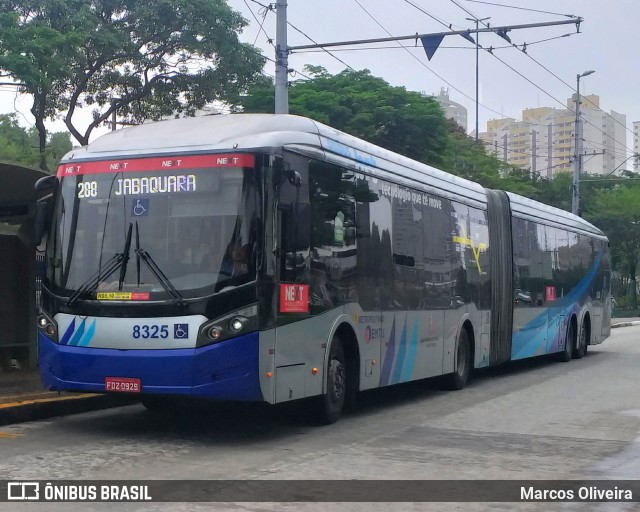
[140, 207]
[180, 331]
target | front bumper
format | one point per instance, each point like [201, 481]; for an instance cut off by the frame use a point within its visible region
[223, 371]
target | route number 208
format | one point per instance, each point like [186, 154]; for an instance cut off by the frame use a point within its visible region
[87, 189]
[150, 331]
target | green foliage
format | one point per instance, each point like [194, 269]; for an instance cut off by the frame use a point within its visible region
[617, 212]
[414, 125]
[367, 107]
[403, 121]
[144, 59]
[20, 146]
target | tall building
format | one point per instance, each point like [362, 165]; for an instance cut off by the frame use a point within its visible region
[544, 141]
[451, 108]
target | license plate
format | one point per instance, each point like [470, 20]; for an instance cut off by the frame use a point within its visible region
[122, 384]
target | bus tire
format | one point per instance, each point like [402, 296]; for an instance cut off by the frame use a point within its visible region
[567, 353]
[156, 403]
[458, 379]
[332, 401]
[581, 343]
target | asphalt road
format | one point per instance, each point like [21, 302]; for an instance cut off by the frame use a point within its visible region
[529, 420]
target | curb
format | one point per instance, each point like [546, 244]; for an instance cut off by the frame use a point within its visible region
[626, 324]
[43, 408]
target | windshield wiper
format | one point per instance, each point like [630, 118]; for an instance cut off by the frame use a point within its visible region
[118, 261]
[125, 257]
[137, 255]
[100, 275]
[153, 266]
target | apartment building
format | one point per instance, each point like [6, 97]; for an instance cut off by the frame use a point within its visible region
[451, 108]
[544, 140]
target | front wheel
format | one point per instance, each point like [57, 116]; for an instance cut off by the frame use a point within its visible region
[332, 401]
[158, 404]
[458, 379]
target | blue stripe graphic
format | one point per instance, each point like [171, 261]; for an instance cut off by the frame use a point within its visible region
[401, 353]
[411, 354]
[88, 335]
[524, 344]
[68, 332]
[388, 356]
[78, 334]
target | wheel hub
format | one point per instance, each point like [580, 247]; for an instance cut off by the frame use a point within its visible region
[336, 380]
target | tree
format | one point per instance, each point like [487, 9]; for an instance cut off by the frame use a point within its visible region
[144, 59]
[20, 146]
[406, 122]
[367, 107]
[617, 213]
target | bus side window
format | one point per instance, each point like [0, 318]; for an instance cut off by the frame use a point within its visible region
[293, 212]
[334, 253]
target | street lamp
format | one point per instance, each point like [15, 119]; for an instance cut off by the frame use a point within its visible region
[477, 21]
[577, 157]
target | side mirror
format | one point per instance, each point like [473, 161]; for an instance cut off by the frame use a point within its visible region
[40, 221]
[44, 188]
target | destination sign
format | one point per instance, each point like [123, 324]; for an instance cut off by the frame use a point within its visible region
[155, 185]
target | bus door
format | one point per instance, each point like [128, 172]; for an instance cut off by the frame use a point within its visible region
[298, 344]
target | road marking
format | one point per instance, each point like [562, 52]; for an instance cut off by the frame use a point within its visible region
[8, 435]
[45, 400]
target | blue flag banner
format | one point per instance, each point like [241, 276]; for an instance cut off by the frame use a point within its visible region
[431, 44]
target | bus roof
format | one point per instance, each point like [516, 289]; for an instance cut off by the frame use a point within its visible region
[240, 132]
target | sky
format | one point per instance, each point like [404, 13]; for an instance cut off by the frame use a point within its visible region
[509, 80]
[605, 44]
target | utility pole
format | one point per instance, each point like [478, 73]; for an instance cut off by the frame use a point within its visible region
[577, 157]
[477, 20]
[429, 41]
[282, 59]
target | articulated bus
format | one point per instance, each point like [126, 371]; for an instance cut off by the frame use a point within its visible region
[272, 258]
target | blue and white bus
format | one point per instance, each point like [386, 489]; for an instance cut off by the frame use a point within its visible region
[272, 258]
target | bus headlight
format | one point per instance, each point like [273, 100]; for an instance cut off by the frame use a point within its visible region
[47, 325]
[215, 332]
[238, 322]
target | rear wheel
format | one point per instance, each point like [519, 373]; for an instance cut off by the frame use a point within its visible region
[566, 354]
[332, 401]
[581, 343]
[458, 379]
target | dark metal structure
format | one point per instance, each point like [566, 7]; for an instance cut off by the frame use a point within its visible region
[17, 267]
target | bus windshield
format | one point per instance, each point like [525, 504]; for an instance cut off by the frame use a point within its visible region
[181, 224]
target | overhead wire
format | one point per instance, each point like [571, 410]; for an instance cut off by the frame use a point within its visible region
[265, 11]
[269, 8]
[401, 46]
[537, 86]
[424, 65]
[315, 42]
[522, 8]
[502, 115]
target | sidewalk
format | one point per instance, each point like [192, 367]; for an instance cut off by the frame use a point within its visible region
[22, 398]
[624, 322]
